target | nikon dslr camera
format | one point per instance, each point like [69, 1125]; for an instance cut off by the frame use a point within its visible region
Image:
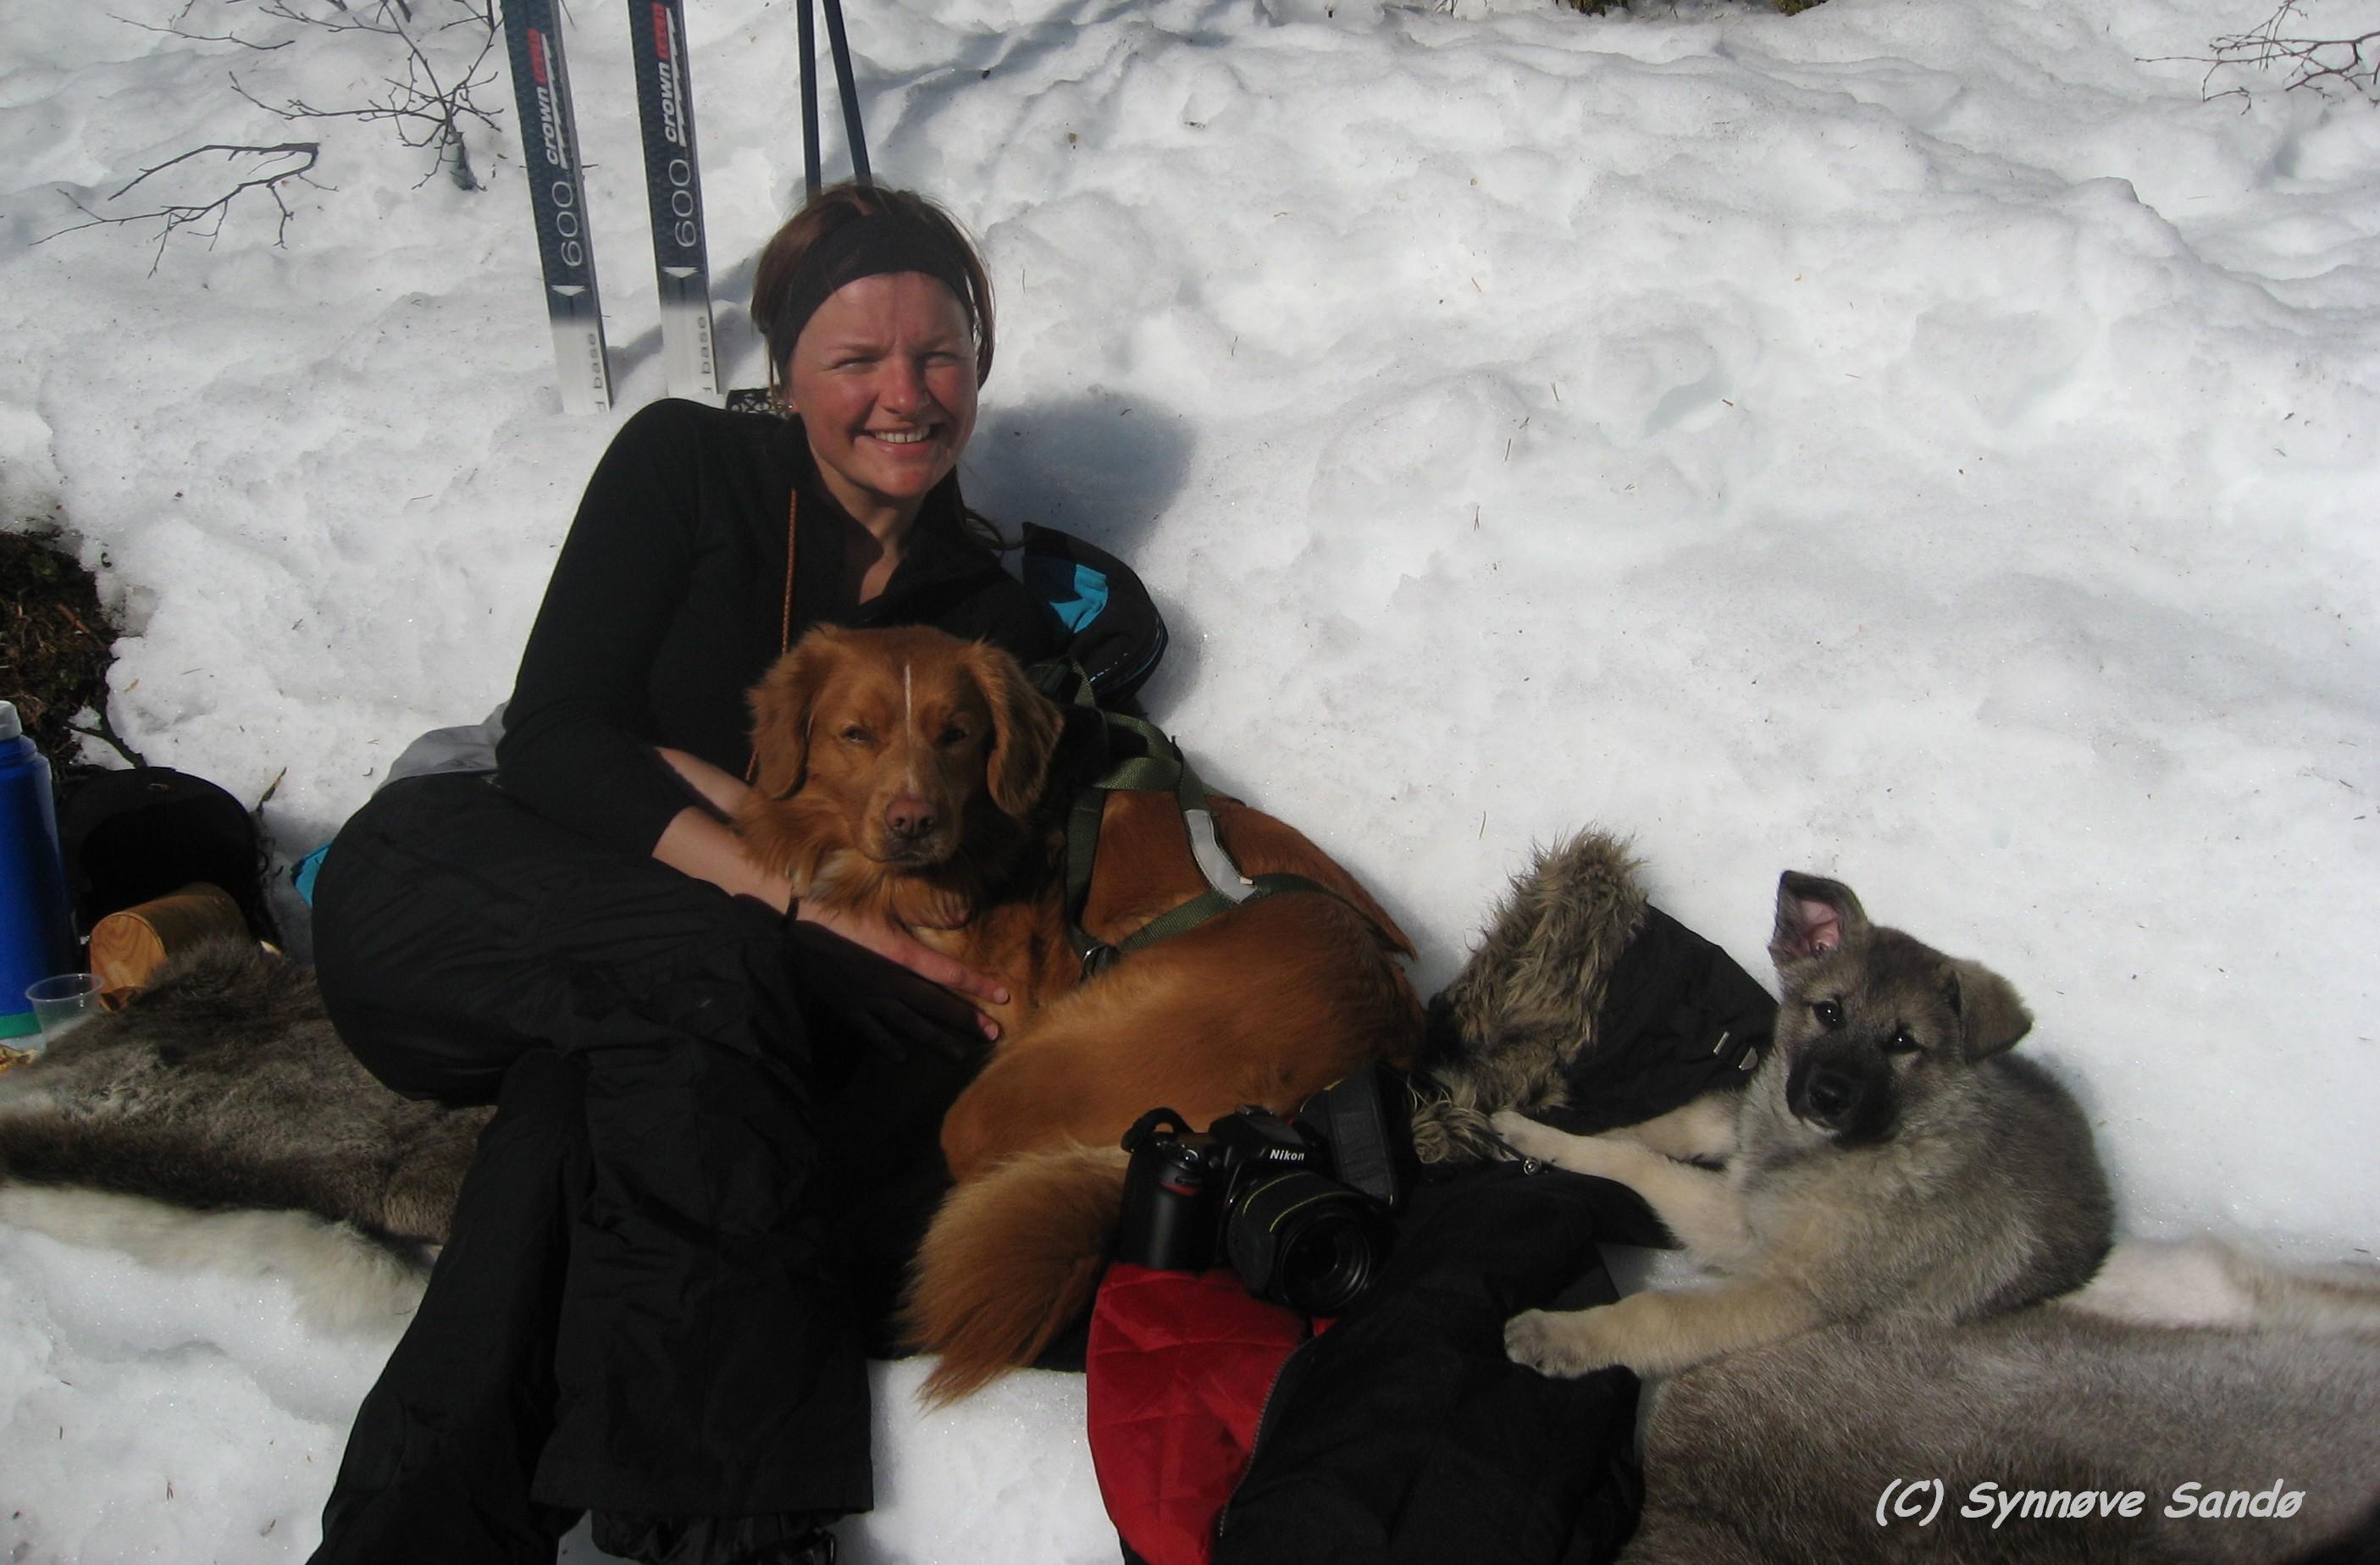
[1303, 1212]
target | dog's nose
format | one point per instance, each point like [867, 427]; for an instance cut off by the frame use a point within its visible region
[909, 817]
[1832, 1095]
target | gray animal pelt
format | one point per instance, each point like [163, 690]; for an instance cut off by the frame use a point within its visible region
[222, 1084]
[1522, 1010]
[1783, 1454]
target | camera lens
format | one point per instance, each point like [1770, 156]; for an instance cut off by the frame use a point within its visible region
[1306, 1240]
[1325, 1266]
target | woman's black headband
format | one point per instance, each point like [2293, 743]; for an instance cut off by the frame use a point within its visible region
[868, 245]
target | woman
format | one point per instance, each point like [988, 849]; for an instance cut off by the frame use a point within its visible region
[676, 1232]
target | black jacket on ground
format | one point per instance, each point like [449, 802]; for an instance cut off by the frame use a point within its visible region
[1404, 1434]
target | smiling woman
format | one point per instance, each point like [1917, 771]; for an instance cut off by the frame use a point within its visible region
[877, 316]
[668, 1258]
[883, 378]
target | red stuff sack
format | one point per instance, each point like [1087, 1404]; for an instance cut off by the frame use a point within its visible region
[1178, 1368]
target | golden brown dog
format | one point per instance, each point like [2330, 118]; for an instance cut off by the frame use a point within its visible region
[904, 770]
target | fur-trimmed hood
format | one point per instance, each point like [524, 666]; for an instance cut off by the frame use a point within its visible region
[1586, 1005]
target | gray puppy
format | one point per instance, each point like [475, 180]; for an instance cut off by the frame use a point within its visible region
[222, 1084]
[1890, 1157]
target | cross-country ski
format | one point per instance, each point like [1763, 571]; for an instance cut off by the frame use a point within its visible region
[674, 184]
[558, 195]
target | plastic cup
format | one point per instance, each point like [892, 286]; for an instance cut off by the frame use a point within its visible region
[64, 1003]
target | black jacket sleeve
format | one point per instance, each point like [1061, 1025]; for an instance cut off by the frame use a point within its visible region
[576, 746]
[1404, 1434]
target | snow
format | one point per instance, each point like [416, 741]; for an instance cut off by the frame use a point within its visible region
[1930, 444]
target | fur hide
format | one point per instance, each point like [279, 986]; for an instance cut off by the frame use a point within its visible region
[223, 1090]
[1505, 1034]
[222, 1085]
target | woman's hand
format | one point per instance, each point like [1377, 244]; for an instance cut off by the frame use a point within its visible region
[954, 982]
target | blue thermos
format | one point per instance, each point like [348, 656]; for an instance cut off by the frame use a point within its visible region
[36, 920]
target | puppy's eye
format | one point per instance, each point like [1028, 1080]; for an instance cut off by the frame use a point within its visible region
[857, 733]
[1901, 1043]
[1828, 1013]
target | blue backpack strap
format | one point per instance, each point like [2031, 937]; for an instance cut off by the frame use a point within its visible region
[1116, 633]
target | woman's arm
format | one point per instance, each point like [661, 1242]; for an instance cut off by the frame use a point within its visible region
[696, 842]
[577, 708]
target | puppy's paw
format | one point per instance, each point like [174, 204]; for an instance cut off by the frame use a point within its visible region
[1565, 1343]
[1579, 1154]
[1526, 1138]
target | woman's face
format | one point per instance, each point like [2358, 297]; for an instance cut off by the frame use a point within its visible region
[884, 377]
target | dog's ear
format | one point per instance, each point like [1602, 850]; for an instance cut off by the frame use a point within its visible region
[1991, 1016]
[1025, 726]
[781, 705]
[1815, 916]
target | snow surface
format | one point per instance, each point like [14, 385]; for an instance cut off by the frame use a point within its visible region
[1928, 443]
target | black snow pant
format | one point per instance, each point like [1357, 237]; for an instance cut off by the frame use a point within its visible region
[683, 1222]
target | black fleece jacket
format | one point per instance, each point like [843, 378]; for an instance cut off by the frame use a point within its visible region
[668, 603]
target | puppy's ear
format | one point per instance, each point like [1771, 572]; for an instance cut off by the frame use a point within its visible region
[1991, 1016]
[781, 705]
[1025, 726]
[1815, 916]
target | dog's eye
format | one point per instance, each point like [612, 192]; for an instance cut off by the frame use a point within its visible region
[956, 733]
[857, 733]
[1828, 1013]
[1901, 1043]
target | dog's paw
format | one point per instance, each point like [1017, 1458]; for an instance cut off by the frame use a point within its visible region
[1523, 1136]
[1597, 1155]
[1565, 1343]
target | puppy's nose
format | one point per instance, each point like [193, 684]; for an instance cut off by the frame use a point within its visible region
[1832, 1095]
[909, 817]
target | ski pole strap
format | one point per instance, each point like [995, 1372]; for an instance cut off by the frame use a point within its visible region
[812, 170]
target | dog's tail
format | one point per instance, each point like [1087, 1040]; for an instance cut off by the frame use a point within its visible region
[1011, 1258]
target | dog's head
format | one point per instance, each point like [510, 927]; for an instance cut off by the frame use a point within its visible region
[904, 735]
[1876, 1028]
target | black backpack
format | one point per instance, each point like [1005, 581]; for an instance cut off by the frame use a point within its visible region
[129, 836]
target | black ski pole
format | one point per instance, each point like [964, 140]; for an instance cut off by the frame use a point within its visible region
[850, 93]
[810, 177]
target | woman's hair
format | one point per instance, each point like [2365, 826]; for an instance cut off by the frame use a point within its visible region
[780, 277]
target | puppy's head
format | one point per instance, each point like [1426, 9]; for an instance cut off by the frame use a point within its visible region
[904, 735]
[1876, 1030]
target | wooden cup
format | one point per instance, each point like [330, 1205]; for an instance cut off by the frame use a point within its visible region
[127, 947]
